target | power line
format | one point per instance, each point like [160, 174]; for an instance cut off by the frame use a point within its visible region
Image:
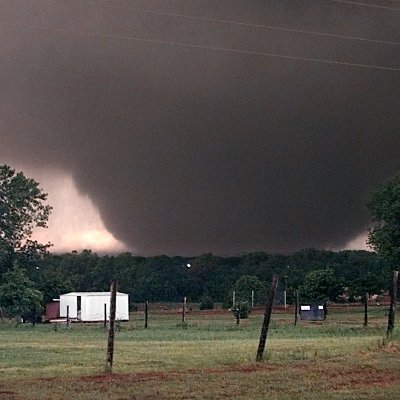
[237, 23]
[356, 3]
[195, 46]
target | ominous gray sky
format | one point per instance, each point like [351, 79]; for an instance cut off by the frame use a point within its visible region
[185, 147]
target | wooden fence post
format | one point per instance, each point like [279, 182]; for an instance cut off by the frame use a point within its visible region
[366, 309]
[183, 310]
[267, 317]
[111, 331]
[67, 315]
[296, 308]
[146, 314]
[393, 300]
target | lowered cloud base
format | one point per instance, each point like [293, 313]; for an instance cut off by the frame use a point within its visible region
[179, 149]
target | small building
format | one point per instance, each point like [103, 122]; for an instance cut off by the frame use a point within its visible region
[93, 306]
[52, 310]
[312, 312]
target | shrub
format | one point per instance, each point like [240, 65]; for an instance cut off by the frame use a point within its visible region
[206, 303]
[241, 309]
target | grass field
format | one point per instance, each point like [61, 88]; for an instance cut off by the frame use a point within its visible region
[210, 358]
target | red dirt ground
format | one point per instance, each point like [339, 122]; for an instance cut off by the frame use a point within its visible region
[335, 378]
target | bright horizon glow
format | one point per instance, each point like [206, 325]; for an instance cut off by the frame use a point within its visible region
[75, 223]
[358, 243]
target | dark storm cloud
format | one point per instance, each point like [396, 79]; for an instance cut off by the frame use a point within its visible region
[188, 150]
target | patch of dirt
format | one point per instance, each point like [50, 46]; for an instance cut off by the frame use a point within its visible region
[331, 376]
[158, 375]
[338, 379]
[7, 395]
[137, 377]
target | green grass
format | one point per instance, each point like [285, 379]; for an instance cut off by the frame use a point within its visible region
[211, 358]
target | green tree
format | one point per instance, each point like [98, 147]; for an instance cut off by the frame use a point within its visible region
[80, 268]
[50, 281]
[161, 278]
[206, 303]
[22, 209]
[244, 287]
[384, 208]
[18, 296]
[321, 285]
[370, 283]
[200, 273]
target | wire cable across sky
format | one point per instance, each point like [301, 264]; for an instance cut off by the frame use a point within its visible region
[230, 22]
[212, 48]
[357, 3]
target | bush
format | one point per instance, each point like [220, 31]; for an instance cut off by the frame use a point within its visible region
[244, 287]
[206, 303]
[241, 309]
[134, 307]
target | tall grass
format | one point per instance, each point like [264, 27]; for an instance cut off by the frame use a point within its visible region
[47, 350]
[210, 357]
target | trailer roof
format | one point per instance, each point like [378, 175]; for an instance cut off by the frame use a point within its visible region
[92, 294]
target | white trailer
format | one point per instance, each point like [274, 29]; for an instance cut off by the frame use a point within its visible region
[91, 306]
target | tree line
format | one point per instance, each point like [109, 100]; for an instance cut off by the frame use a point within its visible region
[31, 276]
[169, 279]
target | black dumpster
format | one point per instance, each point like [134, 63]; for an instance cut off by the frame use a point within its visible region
[312, 312]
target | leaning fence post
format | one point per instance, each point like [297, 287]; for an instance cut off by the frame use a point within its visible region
[267, 317]
[111, 331]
